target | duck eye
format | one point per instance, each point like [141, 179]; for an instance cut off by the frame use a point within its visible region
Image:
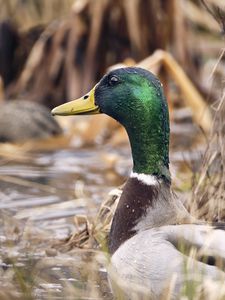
[113, 80]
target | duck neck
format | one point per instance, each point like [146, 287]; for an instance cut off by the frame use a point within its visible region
[150, 149]
[146, 200]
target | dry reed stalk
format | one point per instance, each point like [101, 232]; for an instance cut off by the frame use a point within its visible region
[208, 199]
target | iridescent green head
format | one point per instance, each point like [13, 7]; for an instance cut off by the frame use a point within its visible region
[134, 97]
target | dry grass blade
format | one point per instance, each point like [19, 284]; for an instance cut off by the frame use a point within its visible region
[1, 90]
[27, 183]
[217, 13]
[94, 233]
[199, 16]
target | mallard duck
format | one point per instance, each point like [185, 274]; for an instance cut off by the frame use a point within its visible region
[150, 226]
[22, 120]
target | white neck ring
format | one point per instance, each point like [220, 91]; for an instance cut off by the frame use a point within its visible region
[145, 178]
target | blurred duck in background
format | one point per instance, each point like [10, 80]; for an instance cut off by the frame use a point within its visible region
[20, 120]
[23, 120]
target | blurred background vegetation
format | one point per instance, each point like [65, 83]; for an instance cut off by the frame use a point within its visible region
[52, 51]
[64, 47]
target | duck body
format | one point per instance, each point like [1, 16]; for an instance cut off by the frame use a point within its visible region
[145, 255]
[152, 234]
[150, 264]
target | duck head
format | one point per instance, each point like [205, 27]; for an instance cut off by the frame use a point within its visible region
[134, 97]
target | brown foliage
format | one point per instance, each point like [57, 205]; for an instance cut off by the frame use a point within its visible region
[71, 55]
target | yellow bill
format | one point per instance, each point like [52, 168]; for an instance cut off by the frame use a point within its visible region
[81, 106]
